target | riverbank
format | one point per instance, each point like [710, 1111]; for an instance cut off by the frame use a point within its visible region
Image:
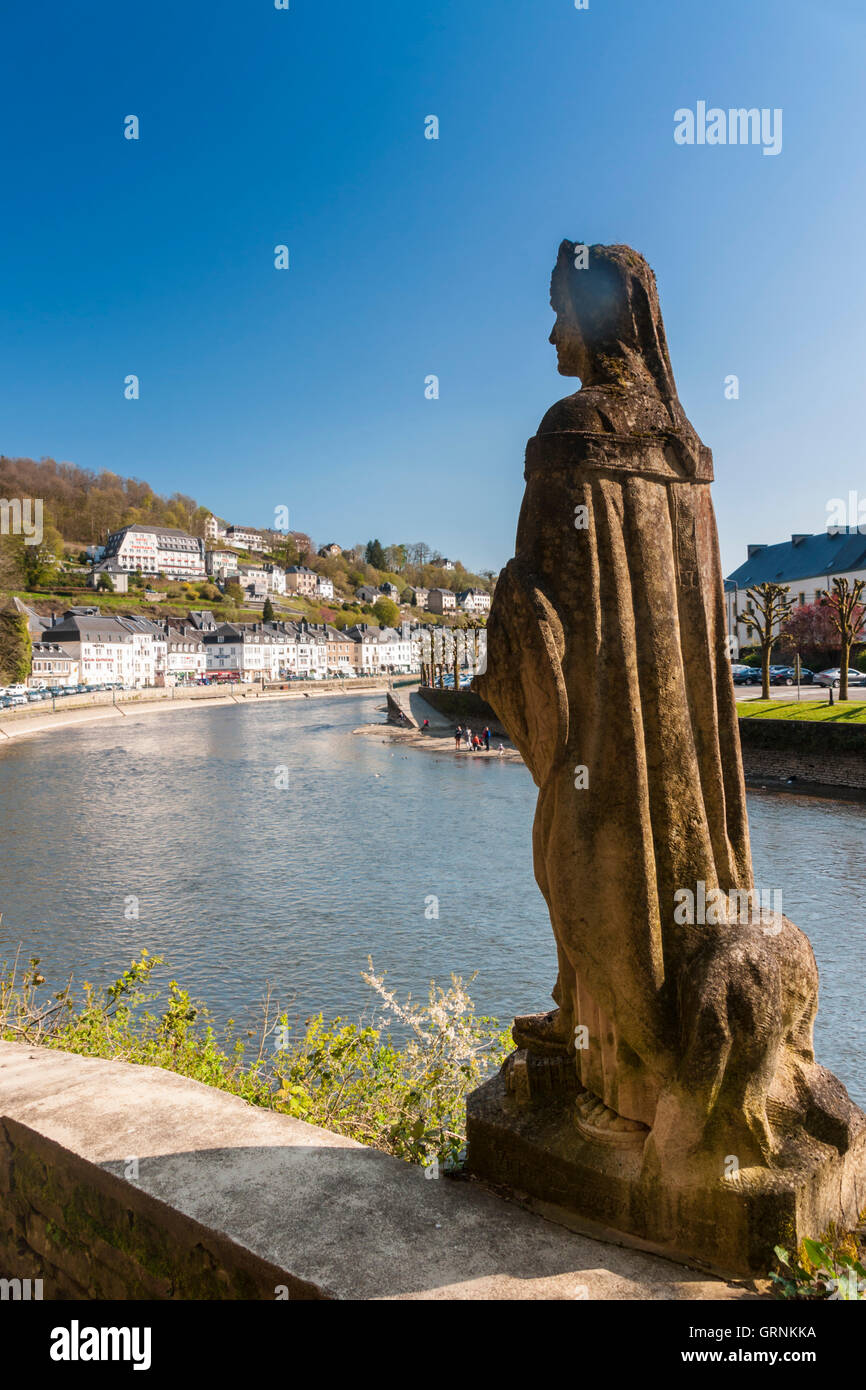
[23, 723]
[439, 740]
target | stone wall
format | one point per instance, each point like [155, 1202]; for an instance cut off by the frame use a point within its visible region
[461, 705]
[87, 1234]
[805, 751]
[128, 1182]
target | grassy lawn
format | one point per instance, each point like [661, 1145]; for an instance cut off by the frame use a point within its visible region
[846, 712]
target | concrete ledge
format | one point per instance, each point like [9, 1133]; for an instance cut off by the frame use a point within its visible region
[232, 1201]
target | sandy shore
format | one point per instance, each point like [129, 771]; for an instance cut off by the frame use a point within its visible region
[64, 719]
[436, 740]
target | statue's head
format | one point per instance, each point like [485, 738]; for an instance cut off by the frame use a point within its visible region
[608, 322]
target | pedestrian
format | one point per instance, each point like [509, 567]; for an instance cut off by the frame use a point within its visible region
[458, 735]
[486, 737]
[469, 740]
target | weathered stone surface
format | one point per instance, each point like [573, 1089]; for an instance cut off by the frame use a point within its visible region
[232, 1201]
[607, 663]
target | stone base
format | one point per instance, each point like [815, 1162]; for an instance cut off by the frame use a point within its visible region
[525, 1141]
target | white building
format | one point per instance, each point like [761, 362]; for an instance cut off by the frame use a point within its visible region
[156, 550]
[324, 587]
[213, 529]
[102, 647]
[186, 660]
[474, 601]
[806, 565]
[221, 564]
[244, 537]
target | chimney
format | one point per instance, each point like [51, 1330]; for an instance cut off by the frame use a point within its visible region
[753, 550]
[799, 538]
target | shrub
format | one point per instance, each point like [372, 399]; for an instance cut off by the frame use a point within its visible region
[407, 1098]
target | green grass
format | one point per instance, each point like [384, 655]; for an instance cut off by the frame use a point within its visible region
[818, 711]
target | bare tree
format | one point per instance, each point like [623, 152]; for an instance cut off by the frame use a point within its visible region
[847, 612]
[768, 607]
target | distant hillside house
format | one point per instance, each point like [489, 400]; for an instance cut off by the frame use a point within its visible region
[442, 601]
[244, 537]
[806, 565]
[118, 576]
[301, 580]
[214, 529]
[324, 586]
[419, 598]
[390, 591]
[156, 550]
[474, 601]
[366, 593]
[330, 551]
[221, 564]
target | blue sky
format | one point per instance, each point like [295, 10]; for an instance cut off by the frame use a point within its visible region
[408, 257]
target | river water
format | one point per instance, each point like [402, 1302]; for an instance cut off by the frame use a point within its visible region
[268, 845]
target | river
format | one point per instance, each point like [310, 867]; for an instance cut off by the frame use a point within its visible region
[271, 846]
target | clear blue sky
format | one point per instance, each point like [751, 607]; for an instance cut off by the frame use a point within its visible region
[409, 256]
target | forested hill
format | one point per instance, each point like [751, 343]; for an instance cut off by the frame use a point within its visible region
[85, 506]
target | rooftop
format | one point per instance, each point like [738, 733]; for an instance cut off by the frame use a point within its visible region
[802, 557]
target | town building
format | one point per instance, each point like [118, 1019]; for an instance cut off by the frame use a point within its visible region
[389, 590]
[419, 598]
[301, 580]
[473, 601]
[119, 577]
[806, 565]
[52, 665]
[330, 551]
[324, 587]
[214, 529]
[103, 648]
[221, 564]
[442, 601]
[367, 593]
[185, 661]
[244, 537]
[156, 550]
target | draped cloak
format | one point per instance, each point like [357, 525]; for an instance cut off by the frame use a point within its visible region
[607, 651]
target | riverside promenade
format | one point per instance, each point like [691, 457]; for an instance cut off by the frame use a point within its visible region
[69, 710]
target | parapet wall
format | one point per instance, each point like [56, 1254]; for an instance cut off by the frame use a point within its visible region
[127, 1182]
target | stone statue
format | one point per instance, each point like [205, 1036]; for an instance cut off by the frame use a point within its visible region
[682, 1036]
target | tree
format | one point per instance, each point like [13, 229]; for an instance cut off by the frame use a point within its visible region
[768, 607]
[386, 612]
[105, 583]
[375, 555]
[848, 614]
[41, 562]
[15, 645]
[811, 632]
[268, 611]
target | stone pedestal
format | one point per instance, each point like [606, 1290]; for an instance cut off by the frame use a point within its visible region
[524, 1138]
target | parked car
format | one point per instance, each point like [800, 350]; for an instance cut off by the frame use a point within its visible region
[746, 675]
[787, 675]
[834, 675]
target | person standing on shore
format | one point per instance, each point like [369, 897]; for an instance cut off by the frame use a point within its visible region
[469, 740]
[486, 737]
[458, 734]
